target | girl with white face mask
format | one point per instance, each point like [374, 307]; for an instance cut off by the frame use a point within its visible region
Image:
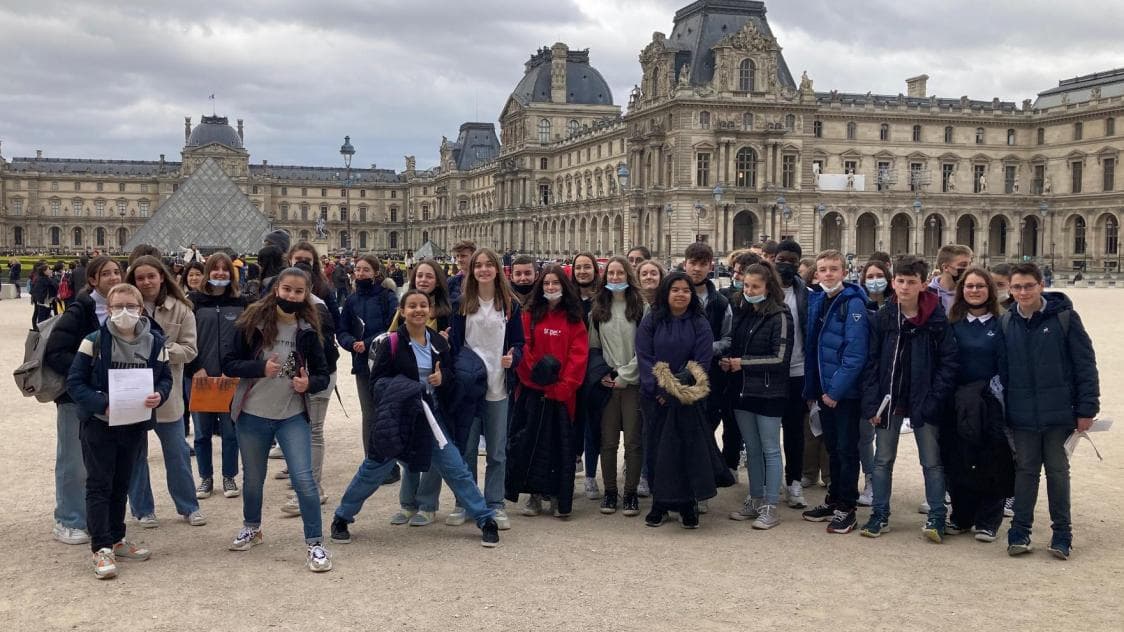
[875, 279]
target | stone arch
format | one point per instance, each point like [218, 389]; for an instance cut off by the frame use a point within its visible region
[933, 230]
[1077, 230]
[1030, 229]
[966, 228]
[900, 228]
[831, 231]
[998, 236]
[745, 229]
[618, 234]
[866, 234]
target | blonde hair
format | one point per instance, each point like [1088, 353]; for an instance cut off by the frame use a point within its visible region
[125, 288]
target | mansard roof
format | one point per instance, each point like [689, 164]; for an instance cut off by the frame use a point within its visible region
[700, 26]
[476, 144]
[324, 174]
[854, 98]
[82, 166]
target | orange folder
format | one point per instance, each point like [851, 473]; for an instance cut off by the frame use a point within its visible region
[212, 394]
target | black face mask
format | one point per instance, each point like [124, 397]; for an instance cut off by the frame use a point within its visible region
[787, 272]
[304, 266]
[365, 284]
[287, 306]
[523, 289]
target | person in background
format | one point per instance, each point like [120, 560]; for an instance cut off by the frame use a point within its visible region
[14, 270]
[192, 278]
[1001, 275]
[125, 341]
[875, 277]
[1052, 387]
[523, 274]
[462, 252]
[649, 274]
[165, 305]
[879, 255]
[952, 261]
[341, 281]
[807, 271]
[638, 255]
[44, 289]
[795, 416]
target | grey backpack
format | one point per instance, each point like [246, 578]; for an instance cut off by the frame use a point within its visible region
[34, 378]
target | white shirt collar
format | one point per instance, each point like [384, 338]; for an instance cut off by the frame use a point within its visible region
[1040, 309]
[979, 319]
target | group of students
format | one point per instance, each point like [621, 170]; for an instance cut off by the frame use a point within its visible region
[551, 368]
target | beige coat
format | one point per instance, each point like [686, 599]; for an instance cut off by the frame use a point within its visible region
[178, 322]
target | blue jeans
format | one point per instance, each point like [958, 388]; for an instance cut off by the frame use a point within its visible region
[841, 437]
[70, 470]
[177, 465]
[928, 451]
[205, 425]
[493, 425]
[1033, 452]
[762, 437]
[419, 491]
[255, 435]
[448, 464]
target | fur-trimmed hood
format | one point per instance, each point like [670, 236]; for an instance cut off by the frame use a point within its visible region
[686, 394]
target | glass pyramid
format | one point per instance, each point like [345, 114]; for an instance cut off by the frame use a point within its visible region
[209, 210]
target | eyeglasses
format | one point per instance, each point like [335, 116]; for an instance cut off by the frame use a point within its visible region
[132, 307]
[1023, 287]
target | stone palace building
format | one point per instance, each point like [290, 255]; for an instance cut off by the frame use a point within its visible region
[717, 141]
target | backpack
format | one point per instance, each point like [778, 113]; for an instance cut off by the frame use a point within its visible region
[34, 378]
[66, 290]
[1063, 320]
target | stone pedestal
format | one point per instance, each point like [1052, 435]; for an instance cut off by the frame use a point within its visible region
[8, 290]
[321, 247]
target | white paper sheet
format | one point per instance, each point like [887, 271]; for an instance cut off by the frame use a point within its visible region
[127, 390]
[435, 427]
[814, 423]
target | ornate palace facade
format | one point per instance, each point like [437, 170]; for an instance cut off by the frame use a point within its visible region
[719, 142]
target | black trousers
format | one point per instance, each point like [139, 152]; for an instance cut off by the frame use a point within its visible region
[972, 509]
[109, 453]
[792, 429]
[720, 410]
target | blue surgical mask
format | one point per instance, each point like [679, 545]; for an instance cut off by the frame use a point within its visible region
[616, 287]
[876, 286]
[737, 285]
[219, 282]
[753, 300]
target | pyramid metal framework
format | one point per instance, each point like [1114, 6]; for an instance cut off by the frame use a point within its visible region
[209, 210]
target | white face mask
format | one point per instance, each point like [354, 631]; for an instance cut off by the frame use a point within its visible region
[124, 319]
[552, 296]
[831, 289]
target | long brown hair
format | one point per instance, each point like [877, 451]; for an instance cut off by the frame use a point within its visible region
[94, 269]
[571, 303]
[438, 299]
[773, 291]
[263, 314]
[470, 300]
[319, 283]
[960, 306]
[602, 309]
[232, 290]
[167, 285]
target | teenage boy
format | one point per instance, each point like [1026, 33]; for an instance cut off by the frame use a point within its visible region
[698, 260]
[913, 359]
[1049, 374]
[638, 255]
[522, 277]
[952, 261]
[462, 252]
[835, 352]
[1001, 274]
[795, 409]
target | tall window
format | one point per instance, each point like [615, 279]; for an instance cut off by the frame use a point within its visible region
[1011, 137]
[1039, 180]
[745, 164]
[817, 129]
[1040, 137]
[425, 212]
[947, 169]
[77, 232]
[573, 127]
[702, 169]
[56, 236]
[120, 187]
[99, 237]
[747, 121]
[143, 207]
[77, 186]
[544, 164]
[121, 207]
[56, 208]
[948, 132]
[917, 133]
[17, 236]
[883, 176]
[788, 172]
[363, 214]
[746, 71]
[1075, 169]
[1110, 126]
[1078, 130]
[852, 131]
[790, 122]
[17, 206]
[99, 208]
[76, 207]
[285, 211]
[1009, 178]
[1079, 235]
[704, 119]
[978, 171]
[980, 137]
[304, 212]
[1111, 236]
[544, 194]
[544, 131]
[1109, 174]
[394, 214]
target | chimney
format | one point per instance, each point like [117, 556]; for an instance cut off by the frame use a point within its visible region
[186, 129]
[38, 154]
[264, 162]
[917, 86]
[558, 54]
[240, 137]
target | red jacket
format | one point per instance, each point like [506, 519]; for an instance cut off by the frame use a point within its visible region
[566, 341]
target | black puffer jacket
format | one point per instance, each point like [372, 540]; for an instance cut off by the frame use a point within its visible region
[977, 455]
[78, 321]
[214, 325]
[762, 338]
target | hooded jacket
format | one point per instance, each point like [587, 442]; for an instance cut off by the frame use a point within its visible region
[933, 361]
[1048, 369]
[78, 321]
[366, 315]
[836, 343]
[87, 381]
[674, 340]
[568, 342]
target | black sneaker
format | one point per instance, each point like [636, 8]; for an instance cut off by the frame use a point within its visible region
[631, 505]
[394, 476]
[953, 528]
[934, 530]
[689, 517]
[842, 522]
[655, 517]
[819, 513]
[340, 534]
[490, 537]
[609, 502]
[1061, 545]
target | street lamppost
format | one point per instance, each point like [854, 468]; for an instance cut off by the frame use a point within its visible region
[821, 212]
[1044, 211]
[717, 192]
[347, 151]
[622, 179]
[700, 210]
[670, 210]
[917, 225]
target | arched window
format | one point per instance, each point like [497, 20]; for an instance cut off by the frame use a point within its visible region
[745, 164]
[884, 132]
[17, 236]
[746, 74]
[99, 237]
[122, 237]
[704, 119]
[852, 131]
[573, 127]
[1111, 236]
[544, 131]
[77, 236]
[1079, 236]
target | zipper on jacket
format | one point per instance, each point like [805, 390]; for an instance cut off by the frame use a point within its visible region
[894, 366]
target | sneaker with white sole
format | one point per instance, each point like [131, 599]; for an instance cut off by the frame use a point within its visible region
[281, 473]
[246, 539]
[592, 491]
[456, 518]
[503, 523]
[766, 517]
[68, 535]
[149, 521]
[1009, 508]
[796, 496]
[196, 518]
[402, 517]
[105, 565]
[205, 489]
[125, 550]
[702, 507]
[229, 487]
[533, 506]
[422, 519]
[866, 498]
[923, 507]
[985, 535]
[750, 510]
[319, 560]
[642, 489]
[807, 481]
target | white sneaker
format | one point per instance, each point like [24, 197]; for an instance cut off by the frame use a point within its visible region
[503, 523]
[750, 510]
[796, 496]
[907, 427]
[592, 491]
[923, 508]
[149, 521]
[275, 452]
[702, 507]
[319, 560]
[196, 518]
[642, 489]
[866, 498]
[402, 517]
[246, 539]
[766, 518]
[456, 518]
[66, 535]
[421, 519]
[105, 565]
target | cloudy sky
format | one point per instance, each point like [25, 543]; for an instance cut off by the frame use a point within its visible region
[114, 79]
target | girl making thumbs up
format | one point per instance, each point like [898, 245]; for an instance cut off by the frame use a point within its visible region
[279, 355]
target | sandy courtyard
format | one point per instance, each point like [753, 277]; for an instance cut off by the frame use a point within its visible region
[592, 572]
